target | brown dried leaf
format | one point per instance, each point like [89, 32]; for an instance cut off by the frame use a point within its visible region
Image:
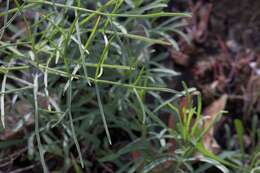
[210, 114]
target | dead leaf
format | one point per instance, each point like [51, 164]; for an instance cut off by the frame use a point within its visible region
[210, 114]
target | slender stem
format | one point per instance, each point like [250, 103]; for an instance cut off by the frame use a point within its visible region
[36, 119]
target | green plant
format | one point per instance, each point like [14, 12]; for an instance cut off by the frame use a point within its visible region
[92, 80]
